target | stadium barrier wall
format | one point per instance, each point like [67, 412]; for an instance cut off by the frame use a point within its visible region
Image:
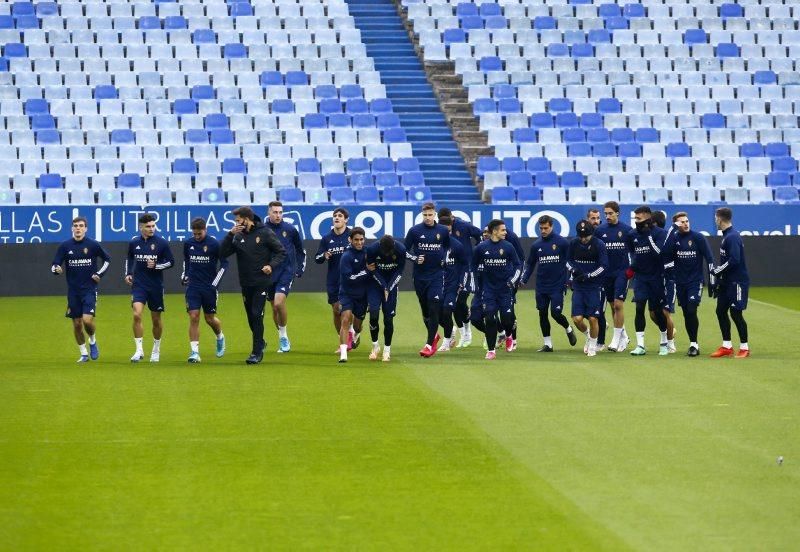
[25, 268]
[118, 224]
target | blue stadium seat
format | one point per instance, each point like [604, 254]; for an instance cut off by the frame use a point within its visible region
[751, 149]
[215, 120]
[204, 36]
[196, 136]
[538, 164]
[542, 120]
[184, 106]
[296, 78]
[239, 9]
[573, 135]
[394, 194]
[634, 10]
[573, 179]
[678, 149]
[282, 106]
[46, 8]
[502, 195]
[412, 179]
[382, 165]
[712, 120]
[343, 196]
[629, 149]
[529, 195]
[212, 195]
[731, 10]
[184, 165]
[388, 120]
[582, 50]
[786, 194]
[24, 22]
[290, 195]
[504, 91]
[579, 149]
[486, 164]
[367, 195]
[15, 50]
[356, 105]
[175, 22]
[386, 180]
[727, 49]
[777, 149]
[47, 136]
[149, 22]
[129, 180]
[471, 22]
[220, 136]
[315, 120]
[544, 22]
[348, 91]
[234, 165]
[512, 164]
[234, 51]
[6, 22]
[41, 122]
[203, 92]
[308, 165]
[483, 105]
[394, 135]
[357, 165]
[524, 135]
[545, 179]
[453, 36]
[362, 180]
[490, 63]
[271, 78]
[765, 77]
[340, 120]
[364, 120]
[784, 164]
[557, 50]
[596, 135]
[559, 104]
[334, 180]
[609, 105]
[123, 136]
[599, 36]
[330, 105]
[418, 194]
[617, 23]
[566, 119]
[105, 92]
[609, 10]
[591, 120]
[520, 179]
[36, 106]
[407, 164]
[604, 149]
[695, 36]
[647, 136]
[489, 10]
[50, 181]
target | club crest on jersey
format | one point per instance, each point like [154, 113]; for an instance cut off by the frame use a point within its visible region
[619, 234]
[258, 239]
[285, 233]
[501, 250]
[690, 243]
[205, 248]
[554, 247]
[458, 233]
[86, 250]
[438, 236]
[152, 247]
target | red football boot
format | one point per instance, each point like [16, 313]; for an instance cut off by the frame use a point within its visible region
[722, 352]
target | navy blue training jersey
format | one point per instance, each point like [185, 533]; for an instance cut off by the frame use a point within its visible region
[141, 250]
[501, 266]
[645, 249]
[432, 242]
[80, 259]
[550, 254]
[200, 260]
[389, 267]
[686, 255]
[590, 260]
[335, 244]
[615, 237]
[732, 266]
[456, 266]
[354, 275]
[291, 242]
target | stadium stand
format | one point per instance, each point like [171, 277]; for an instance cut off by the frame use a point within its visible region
[704, 94]
[210, 101]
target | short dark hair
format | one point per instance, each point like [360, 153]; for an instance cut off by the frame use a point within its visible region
[659, 218]
[446, 220]
[343, 211]
[445, 212]
[80, 219]
[429, 206]
[245, 212]
[356, 231]
[147, 217]
[495, 223]
[546, 220]
[198, 223]
[678, 215]
[642, 209]
[592, 210]
[613, 205]
[386, 243]
[724, 213]
[274, 204]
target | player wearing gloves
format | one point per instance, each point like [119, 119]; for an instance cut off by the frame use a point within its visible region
[587, 261]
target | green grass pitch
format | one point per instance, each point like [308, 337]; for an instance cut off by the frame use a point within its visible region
[527, 452]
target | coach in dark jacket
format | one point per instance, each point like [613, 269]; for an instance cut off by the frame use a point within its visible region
[258, 253]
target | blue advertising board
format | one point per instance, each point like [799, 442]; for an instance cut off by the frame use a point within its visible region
[52, 224]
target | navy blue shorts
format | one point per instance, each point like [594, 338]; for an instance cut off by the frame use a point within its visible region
[450, 298]
[202, 297]
[355, 303]
[333, 295]
[429, 290]
[281, 283]
[476, 308]
[80, 303]
[669, 295]
[615, 287]
[651, 291]
[376, 301]
[153, 298]
[494, 302]
[554, 300]
[587, 303]
[689, 294]
[734, 294]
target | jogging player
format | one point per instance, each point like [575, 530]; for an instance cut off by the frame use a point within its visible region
[79, 256]
[148, 257]
[549, 254]
[354, 280]
[614, 234]
[202, 272]
[732, 286]
[587, 261]
[293, 267]
[689, 253]
[330, 250]
[386, 259]
[426, 246]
